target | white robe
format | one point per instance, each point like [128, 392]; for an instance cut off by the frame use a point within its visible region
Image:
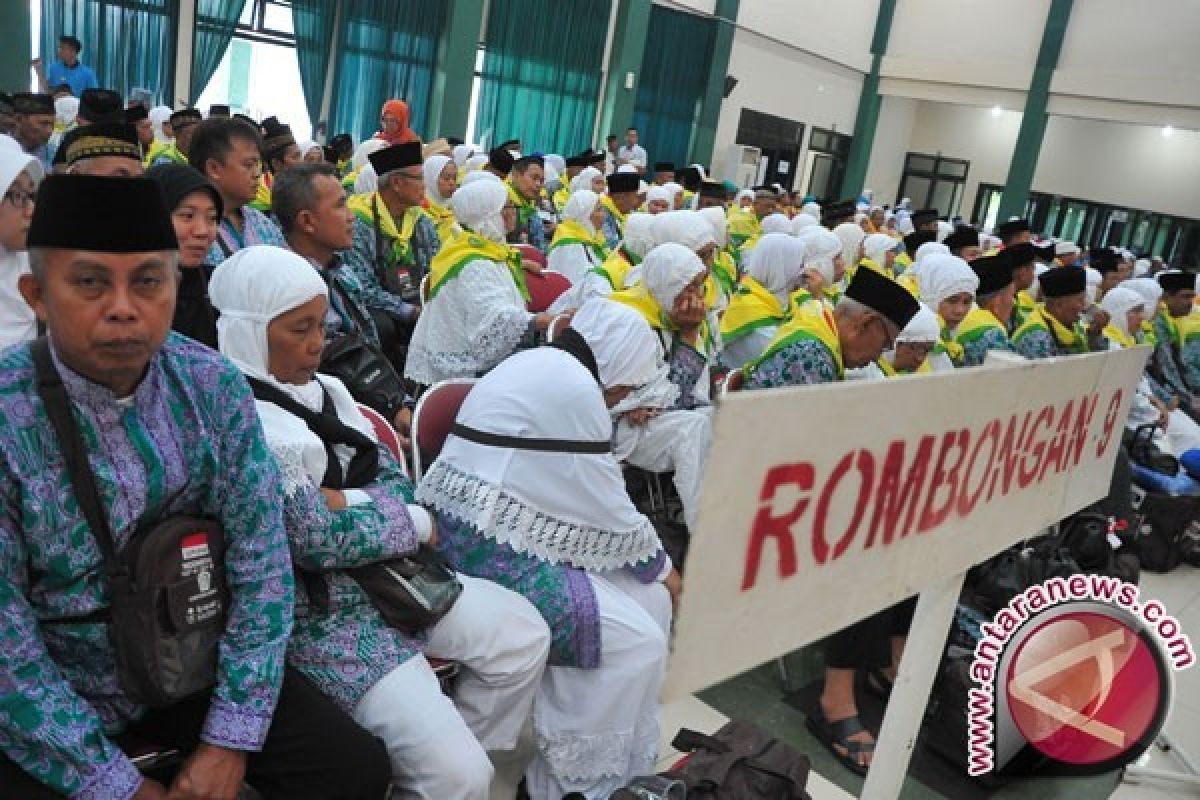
[17, 320]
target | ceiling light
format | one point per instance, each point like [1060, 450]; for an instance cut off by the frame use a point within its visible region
[1167, 131]
[997, 111]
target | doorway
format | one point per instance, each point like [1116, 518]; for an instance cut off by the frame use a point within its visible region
[778, 139]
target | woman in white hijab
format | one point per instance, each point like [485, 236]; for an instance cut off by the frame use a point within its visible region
[578, 245]
[20, 174]
[441, 179]
[823, 266]
[948, 286]
[659, 199]
[475, 316]
[347, 503]
[803, 221]
[676, 191]
[665, 424]
[774, 270]
[311, 152]
[589, 178]
[852, 236]
[159, 116]
[879, 253]
[619, 271]
[776, 223]
[529, 494]
[911, 354]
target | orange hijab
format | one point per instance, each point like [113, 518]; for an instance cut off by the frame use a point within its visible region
[399, 110]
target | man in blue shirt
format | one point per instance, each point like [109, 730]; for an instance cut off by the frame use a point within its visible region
[69, 69]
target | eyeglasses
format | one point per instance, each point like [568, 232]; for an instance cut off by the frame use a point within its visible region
[19, 199]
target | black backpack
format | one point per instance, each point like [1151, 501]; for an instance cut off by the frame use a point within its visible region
[740, 762]
[167, 594]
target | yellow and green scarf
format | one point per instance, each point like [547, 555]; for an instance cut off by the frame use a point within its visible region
[947, 344]
[526, 209]
[638, 298]
[167, 149]
[561, 197]
[1122, 339]
[366, 206]
[1073, 340]
[889, 369]
[875, 266]
[725, 270]
[751, 308]
[814, 324]
[977, 322]
[743, 224]
[611, 208]
[443, 219]
[571, 231]
[616, 267]
[466, 247]
[262, 197]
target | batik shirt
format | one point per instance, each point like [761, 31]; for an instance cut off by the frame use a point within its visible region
[807, 361]
[362, 258]
[975, 350]
[257, 228]
[345, 291]
[1167, 362]
[1041, 336]
[561, 593]
[189, 441]
[345, 647]
[613, 234]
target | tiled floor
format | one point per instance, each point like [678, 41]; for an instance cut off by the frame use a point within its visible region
[757, 695]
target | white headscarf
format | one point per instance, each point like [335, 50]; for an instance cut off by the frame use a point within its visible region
[904, 224]
[667, 270]
[580, 207]
[307, 147]
[361, 154]
[852, 236]
[461, 153]
[639, 233]
[66, 109]
[803, 221]
[623, 346]
[1149, 290]
[922, 328]
[675, 189]
[777, 262]
[718, 221]
[159, 115]
[367, 181]
[584, 179]
[743, 194]
[1118, 302]
[661, 194]
[564, 508]
[876, 247]
[1141, 267]
[479, 206]
[930, 249]
[480, 176]
[250, 289]
[812, 209]
[821, 247]
[14, 160]
[683, 227]
[776, 223]
[1094, 279]
[944, 229]
[558, 162]
[944, 276]
[473, 164]
[627, 169]
[432, 169]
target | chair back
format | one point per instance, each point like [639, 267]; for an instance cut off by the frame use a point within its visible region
[556, 327]
[433, 418]
[385, 433]
[733, 382]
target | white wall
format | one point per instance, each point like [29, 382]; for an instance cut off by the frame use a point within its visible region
[1115, 162]
[783, 81]
[840, 31]
[893, 136]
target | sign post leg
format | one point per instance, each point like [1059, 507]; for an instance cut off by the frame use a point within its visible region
[910, 693]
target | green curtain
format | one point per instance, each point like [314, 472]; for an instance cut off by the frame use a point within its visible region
[313, 22]
[215, 23]
[129, 43]
[671, 87]
[386, 50]
[541, 73]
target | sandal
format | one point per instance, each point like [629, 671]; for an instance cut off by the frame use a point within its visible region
[836, 735]
[877, 682]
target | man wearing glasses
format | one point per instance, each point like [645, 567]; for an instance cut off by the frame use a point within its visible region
[19, 175]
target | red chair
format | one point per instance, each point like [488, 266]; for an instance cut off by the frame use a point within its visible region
[556, 326]
[386, 434]
[544, 288]
[433, 418]
[733, 382]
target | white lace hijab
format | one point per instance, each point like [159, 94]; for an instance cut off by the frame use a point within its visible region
[565, 508]
[250, 289]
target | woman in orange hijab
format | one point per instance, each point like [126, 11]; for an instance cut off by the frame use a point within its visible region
[393, 120]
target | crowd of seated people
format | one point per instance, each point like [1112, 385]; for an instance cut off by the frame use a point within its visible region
[228, 309]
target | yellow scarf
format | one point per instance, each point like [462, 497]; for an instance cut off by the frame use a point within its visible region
[262, 197]
[815, 324]
[571, 231]
[743, 224]
[977, 322]
[724, 269]
[1073, 340]
[1114, 334]
[365, 207]
[751, 308]
[946, 344]
[909, 281]
[615, 268]
[467, 247]
[167, 149]
[874, 265]
[526, 209]
[640, 300]
[889, 369]
[443, 219]
[611, 208]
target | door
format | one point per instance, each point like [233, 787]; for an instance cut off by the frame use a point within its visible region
[779, 141]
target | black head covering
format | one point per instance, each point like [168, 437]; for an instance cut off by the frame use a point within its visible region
[1104, 260]
[884, 296]
[1044, 252]
[691, 179]
[995, 272]
[32, 103]
[664, 166]
[186, 116]
[501, 160]
[1012, 227]
[136, 113]
[218, 110]
[597, 157]
[1021, 254]
[396, 157]
[454, 141]
[1175, 281]
[924, 217]
[712, 189]
[107, 215]
[836, 213]
[524, 162]
[577, 161]
[963, 236]
[101, 105]
[1063, 281]
[277, 137]
[341, 143]
[917, 238]
[99, 139]
[177, 181]
[620, 182]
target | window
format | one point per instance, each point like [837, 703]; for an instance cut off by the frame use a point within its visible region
[934, 182]
[778, 139]
[826, 163]
[263, 46]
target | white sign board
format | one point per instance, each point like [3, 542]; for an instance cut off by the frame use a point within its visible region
[822, 505]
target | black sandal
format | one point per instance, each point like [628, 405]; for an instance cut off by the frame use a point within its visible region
[837, 734]
[877, 683]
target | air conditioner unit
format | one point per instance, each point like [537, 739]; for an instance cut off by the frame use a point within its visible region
[740, 165]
